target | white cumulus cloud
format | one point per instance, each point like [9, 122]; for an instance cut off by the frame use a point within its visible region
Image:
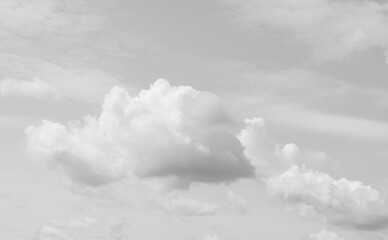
[342, 202]
[166, 132]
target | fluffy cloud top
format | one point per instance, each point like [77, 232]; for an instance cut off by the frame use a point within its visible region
[341, 202]
[291, 154]
[36, 89]
[174, 133]
[334, 28]
[252, 137]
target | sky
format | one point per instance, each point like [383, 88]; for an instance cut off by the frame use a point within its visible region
[193, 119]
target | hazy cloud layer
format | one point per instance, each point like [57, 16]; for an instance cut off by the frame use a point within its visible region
[334, 29]
[64, 44]
[65, 32]
[342, 202]
[33, 77]
[170, 132]
[305, 99]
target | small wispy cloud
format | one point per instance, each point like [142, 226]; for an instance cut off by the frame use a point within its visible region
[180, 205]
[209, 237]
[324, 235]
[84, 228]
[36, 88]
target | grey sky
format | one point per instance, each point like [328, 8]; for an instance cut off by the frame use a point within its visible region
[271, 121]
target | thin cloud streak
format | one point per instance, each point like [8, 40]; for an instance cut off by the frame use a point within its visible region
[324, 123]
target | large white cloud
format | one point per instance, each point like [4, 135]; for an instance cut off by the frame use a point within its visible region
[342, 202]
[174, 133]
[334, 28]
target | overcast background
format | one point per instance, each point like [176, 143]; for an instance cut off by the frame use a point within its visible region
[193, 119]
